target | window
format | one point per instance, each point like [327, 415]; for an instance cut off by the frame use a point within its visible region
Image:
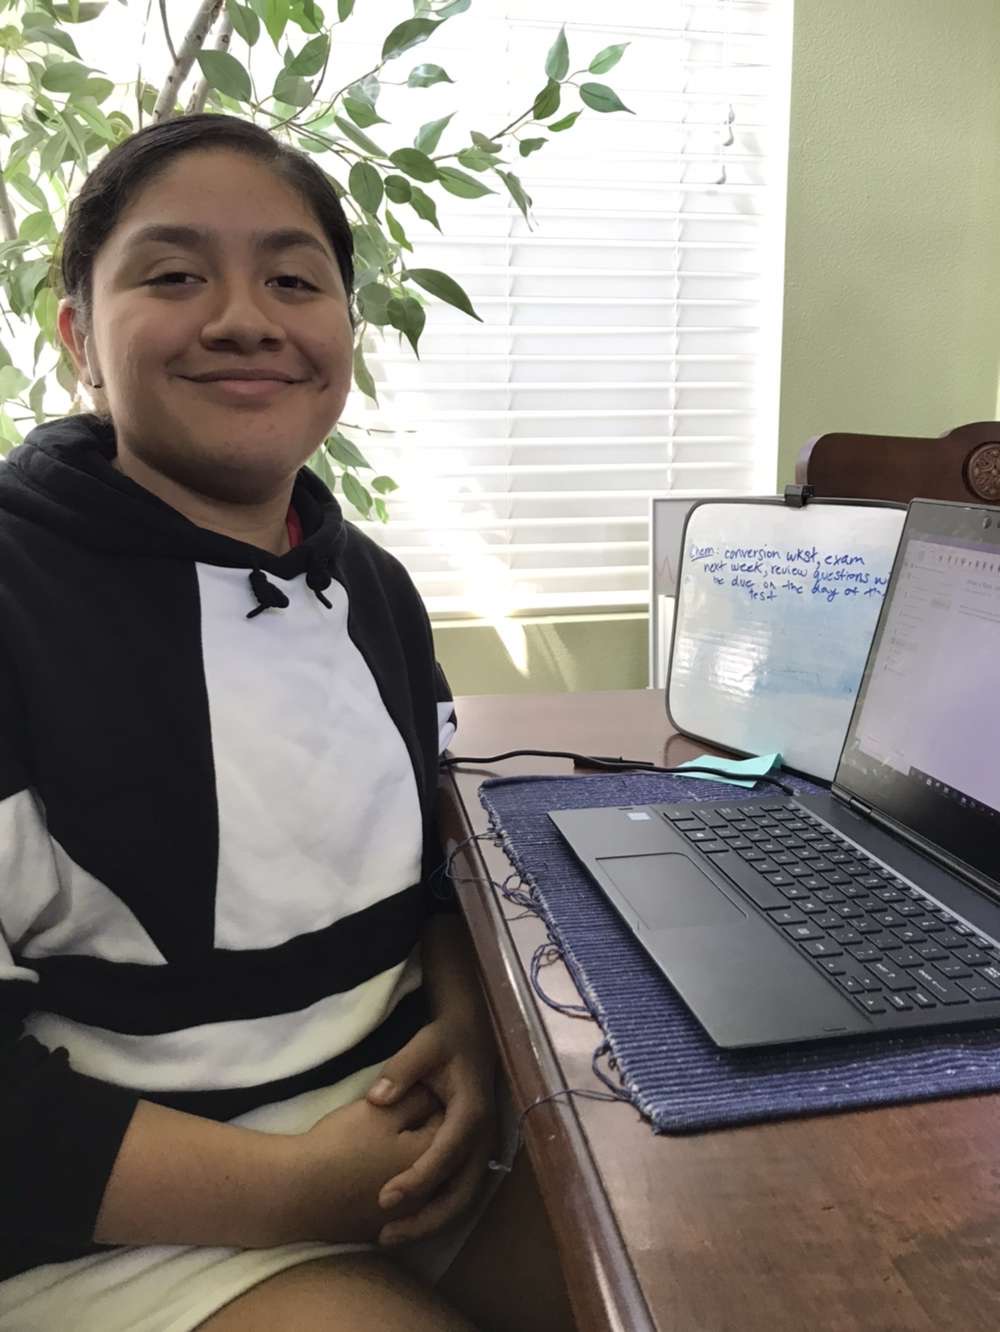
[630, 341]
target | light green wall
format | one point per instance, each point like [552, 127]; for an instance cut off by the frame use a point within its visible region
[892, 277]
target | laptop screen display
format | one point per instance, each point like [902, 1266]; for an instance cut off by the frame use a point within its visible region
[923, 747]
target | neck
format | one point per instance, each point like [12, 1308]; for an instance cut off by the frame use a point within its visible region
[262, 524]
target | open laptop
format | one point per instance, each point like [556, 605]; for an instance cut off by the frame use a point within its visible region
[874, 907]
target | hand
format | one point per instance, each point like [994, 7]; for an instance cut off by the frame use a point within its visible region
[455, 1059]
[339, 1167]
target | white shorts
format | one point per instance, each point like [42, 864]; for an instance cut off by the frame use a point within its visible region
[175, 1288]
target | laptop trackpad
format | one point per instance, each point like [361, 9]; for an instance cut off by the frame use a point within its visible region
[668, 891]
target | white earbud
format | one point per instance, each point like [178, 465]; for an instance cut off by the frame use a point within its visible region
[92, 378]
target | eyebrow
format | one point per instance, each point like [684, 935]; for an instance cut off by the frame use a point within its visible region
[285, 238]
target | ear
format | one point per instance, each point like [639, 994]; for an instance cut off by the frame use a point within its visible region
[78, 344]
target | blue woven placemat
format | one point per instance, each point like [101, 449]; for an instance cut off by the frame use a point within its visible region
[670, 1069]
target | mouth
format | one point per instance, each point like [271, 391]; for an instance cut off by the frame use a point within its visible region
[244, 386]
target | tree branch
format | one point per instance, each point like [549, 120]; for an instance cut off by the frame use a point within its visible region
[200, 27]
[197, 102]
[166, 29]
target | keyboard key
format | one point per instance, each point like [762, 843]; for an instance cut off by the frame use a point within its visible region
[851, 984]
[973, 956]
[847, 910]
[697, 832]
[827, 920]
[871, 1003]
[864, 952]
[798, 871]
[840, 857]
[805, 931]
[773, 849]
[949, 939]
[906, 957]
[847, 936]
[795, 890]
[756, 887]
[934, 983]
[811, 907]
[835, 876]
[828, 948]
[883, 894]
[712, 819]
[853, 890]
[888, 918]
[868, 880]
[929, 923]
[952, 968]
[883, 942]
[826, 894]
[909, 934]
[980, 989]
[891, 977]
[824, 845]
[814, 883]
[788, 916]
[870, 927]
[834, 965]
[710, 848]
[909, 909]
[922, 998]
[899, 1001]
[782, 858]
[930, 952]
[992, 973]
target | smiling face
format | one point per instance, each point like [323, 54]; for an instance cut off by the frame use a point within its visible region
[220, 327]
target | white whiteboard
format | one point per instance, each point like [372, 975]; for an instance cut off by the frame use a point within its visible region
[775, 613]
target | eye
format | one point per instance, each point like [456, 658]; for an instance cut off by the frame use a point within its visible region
[171, 279]
[292, 278]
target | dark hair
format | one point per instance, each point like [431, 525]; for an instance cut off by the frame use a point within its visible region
[118, 177]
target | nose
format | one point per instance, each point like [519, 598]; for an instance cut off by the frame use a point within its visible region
[241, 320]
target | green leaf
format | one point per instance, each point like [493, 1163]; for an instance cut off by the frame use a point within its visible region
[408, 315]
[381, 510]
[443, 287]
[12, 382]
[517, 192]
[365, 184]
[566, 123]
[362, 140]
[36, 226]
[363, 113]
[398, 188]
[547, 101]
[344, 9]
[487, 145]
[36, 399]
[85, 12]
[456, 7]
[429, 135]
[320, 464]
[383, 484]
[25, 281]
[89, 112]
[245, 21]
[42, 32]
[275, 15]
[406, 35]
[29, 191]
[4, 355]
[346, 453]
[462, 184]
[292, 89]
[362, 375]
[311, 59]
[528, 146]
[607, 59]
[307, 14]
[370, 246]
[476, 160]
[76, 136]
[557, 60]
[599, 97]
[396, 231]
[424, 206]
[65, 77]
[48, 159]
[372, 302]
[423, 76]
[414, 163]
[224, 72]
[356, 494]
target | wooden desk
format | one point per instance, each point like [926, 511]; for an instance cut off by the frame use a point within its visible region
[882, 1220]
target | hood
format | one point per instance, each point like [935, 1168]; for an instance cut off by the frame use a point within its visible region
[61, 478]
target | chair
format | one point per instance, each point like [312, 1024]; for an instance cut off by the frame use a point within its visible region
[963, 464]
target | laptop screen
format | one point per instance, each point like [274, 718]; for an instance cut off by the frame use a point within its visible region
[923, 747]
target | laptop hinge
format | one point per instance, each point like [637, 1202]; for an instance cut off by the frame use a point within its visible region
[859, 806]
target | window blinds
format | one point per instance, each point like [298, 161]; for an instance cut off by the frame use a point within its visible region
[629, 341]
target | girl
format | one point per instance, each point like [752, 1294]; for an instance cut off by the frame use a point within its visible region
[241, 1038]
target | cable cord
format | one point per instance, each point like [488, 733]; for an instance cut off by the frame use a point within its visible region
[603, 764]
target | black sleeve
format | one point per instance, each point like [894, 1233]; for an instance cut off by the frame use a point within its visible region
[59, 1131]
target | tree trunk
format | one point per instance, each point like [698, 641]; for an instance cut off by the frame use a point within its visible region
[197, 34]
[197, 102]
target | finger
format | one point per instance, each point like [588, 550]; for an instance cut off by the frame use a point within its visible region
[456, 1138]
[407, 1066]
[413, 1109]
[454, 1199]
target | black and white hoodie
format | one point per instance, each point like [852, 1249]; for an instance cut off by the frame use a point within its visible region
[218, 771]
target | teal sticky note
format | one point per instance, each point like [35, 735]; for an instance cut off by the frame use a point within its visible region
[740, 769]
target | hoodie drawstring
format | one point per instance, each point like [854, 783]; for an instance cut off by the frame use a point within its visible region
[270, 597]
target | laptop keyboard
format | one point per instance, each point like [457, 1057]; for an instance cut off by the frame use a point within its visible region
[887, 945]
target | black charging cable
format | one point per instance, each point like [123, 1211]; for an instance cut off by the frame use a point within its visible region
[604, 764]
